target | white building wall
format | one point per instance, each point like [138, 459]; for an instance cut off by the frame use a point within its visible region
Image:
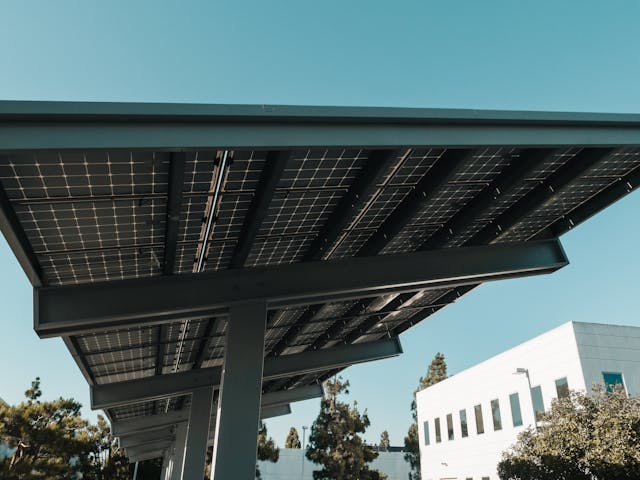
[548, 357]
[292, 465]
[609, 348]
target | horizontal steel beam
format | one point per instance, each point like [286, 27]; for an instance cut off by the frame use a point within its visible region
[284, 397]
[160, 422]
[160, 386]
[165, 431]
[148, 422]
[71, 125]
[275, 411]
[150, 447]
[138, 441]
[136, 456]
[74, 309]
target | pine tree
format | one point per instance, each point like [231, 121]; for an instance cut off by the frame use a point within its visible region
[50, 440]
[436, 372]
[293, 440]
[267, 450]
[335, 443]
[385, 443]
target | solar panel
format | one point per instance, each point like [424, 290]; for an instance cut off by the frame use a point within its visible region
[91, 215]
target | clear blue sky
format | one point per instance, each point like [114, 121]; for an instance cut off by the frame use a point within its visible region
[545, 55]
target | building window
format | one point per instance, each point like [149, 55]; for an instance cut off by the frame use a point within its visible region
[495, 413]
[562, 387]
[612, 379]
[450, 426]
[538, 403]
[463, 423]
[425, 427]
[516, 414]
[479, 422]
[438, 436]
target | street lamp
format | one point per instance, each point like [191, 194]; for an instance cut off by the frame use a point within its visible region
[304, 433]
[520, 371]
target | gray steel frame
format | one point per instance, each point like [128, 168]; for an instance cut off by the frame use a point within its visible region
[68, 125]
[160, 386]
[71, 310]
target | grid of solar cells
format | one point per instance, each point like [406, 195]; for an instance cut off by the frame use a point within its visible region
[504, 200]
[310, 188]
[573, 195]
[85, 213]
[471, 178]
[241, 179]
[183, 341]
[412, 169]
[100, 215]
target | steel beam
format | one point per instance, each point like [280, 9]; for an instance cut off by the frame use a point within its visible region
[72, 125]
[150, 447]
[274, 410]
[63, 310]
[274, 165]
[197, 433]
[179, 447]
[160, 386]
[142, 455]
[140, 440]
[18, 240]
[150, 422]
[238, 416]
[283, 397]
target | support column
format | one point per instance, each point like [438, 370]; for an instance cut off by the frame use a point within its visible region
[197, 434]
[178, 451]
[166, 465]
[238, 415]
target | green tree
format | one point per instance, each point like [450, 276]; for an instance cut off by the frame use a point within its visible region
[436, 372]
[50, 439]
[590, 437]
[293, 440]
[385, 443]
[267, 450]
[335, 443]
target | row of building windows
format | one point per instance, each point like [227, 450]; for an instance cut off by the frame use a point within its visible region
[562, 390]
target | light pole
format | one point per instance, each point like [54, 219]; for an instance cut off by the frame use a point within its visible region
[304, 434]
[520, 371]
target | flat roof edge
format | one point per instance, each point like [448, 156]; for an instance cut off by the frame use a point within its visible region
[25, 110]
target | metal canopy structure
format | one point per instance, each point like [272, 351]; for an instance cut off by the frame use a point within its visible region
[174, 246]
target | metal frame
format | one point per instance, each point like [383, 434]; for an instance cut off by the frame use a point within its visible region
[161, 386]
[69, 125]
[67, 310]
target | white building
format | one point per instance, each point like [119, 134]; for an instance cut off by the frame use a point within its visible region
[469, 419]
[293, 465]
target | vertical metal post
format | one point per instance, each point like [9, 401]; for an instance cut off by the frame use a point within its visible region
[135, 472]
[178, 451]
[166, 465]
[197, 434]
[535, 414]
[304, 433]
[238, 415]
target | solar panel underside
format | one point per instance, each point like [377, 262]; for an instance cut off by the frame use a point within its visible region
[96, 215]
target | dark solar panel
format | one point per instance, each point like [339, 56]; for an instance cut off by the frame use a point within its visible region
[93, 216]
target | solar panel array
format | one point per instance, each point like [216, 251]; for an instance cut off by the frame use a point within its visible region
[102, 215]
